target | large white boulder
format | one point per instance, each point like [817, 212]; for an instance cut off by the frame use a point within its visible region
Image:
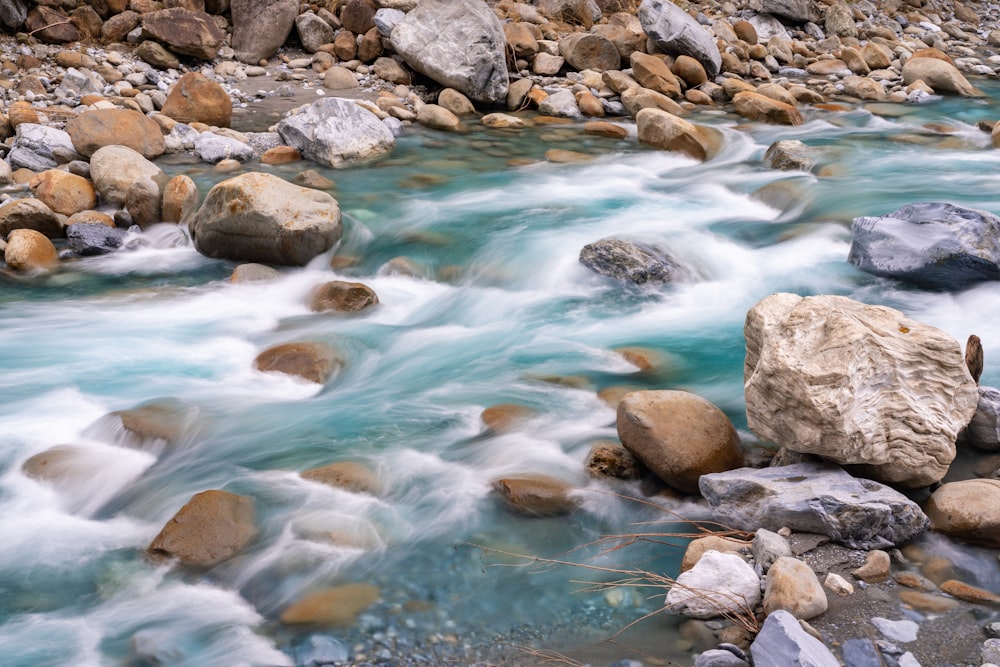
[334, 131]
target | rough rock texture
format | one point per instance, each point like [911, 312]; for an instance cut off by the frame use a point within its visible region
[968, 510]
[782, 642]
[347, 475]
[536, 495]
[180, 199]
[342, 297]
[666, 131]
[30, 251]
[931, 244]
[196, 98]
[458, 43]
[258, 217]
[334, 132]
[93, 238]
[790, 154]
[185, 32]
[39, 147]
[719, 583]
[755, 106]
[584, 50]
[103, 127]
[212, 527]
[940, 75]
[260, 27]
[64, 192]
[796, 11]
[28, 213]
[676, 33]
[678, 435]
[813, 498]
[313, 31]
[630, 261]
[792, 585]
[856, 384]
[984, 429]
[314, 362]
[113, 170]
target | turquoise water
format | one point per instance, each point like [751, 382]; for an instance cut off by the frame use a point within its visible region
[502, 307]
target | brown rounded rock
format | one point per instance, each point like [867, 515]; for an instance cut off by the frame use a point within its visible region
[29, 213]
[584, 50]
[875, 568]
[343, 297]
[315, 362]
[679, 436]
[335, 607]
[963, 591]
[345, 475]
[610, 459]
[92, 130]
[755, 106]
[505, 416]
[91, 217]
[967, 510]
[536, 495]
[653, 73]
[690, 70]
[665, 131]
[180, 199]
[696, 548]
[280, 155]
[251, 272]
[793, 586]
[603, 128]
[30, 251]
[195, 98]
[212, 527]
[64, 192]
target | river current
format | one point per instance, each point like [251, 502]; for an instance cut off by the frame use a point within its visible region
[500, 311]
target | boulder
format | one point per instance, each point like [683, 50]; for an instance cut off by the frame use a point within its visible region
[50, 24]
[457, 43]
[439, 118]
[856, 384]
[676, 33]
[968, 510]
[113, 170]
[790, 154]
[934, 245]
[116, 27]
[86, 239]
[698, 547]
[678, 435]
[813, 498]
[29, 213]
[585, 50]
[260, 27]
[792, 585]
[63, 192]
[653, 73]
[942, 76]
[456, 102]
[314, 362]
[335, 607]
[196, 98]
[103, 127]
[782, 641]
[665, 131]
[335, 131]
[212, 527]
[183, 31]
[630, 261]
[39, 147]
[143, 202]
[30, 252]
[719, 584]
[157, 55]
[313, 31]
[754, 106]
[536, 495]
[257, 217]
[984, 429]
[214, 148]
[342, 297]
[347, 475]
[180, 199]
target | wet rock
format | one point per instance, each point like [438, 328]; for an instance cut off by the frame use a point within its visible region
[347, 475]
[940, 75]
[821, 372]
[95, 129]
[438, 118]
[39, 147]
[973, 594]
[260, 27]
[698, 547]
[793, 586]
[782, 642]
[185, 32]
[968, 510]
[314, 362]
[536, 495]
[29, 251]
[64, 192]
[196, 98]
[457, 43]
[584, 50]
[113, 170]
[258, 217]
[754, 106]
[813, 498]
[718, 584]
[630, 261]
[29, 213]
[676, 33]
[679, 436]
[212, 527]
[505, 416]
[605, 129]
[666, 131]
[335, 607]
[334, 132]
[790, 154]
[984, 429]
[313, 31]
[931, 244]
[214, 148]
[180, 199]
[342, 297]
[611, 459]
[93, 238]
[250, 273]
[142, 201]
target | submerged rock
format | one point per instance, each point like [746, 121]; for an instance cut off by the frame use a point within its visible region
[968, 510]
[536, 495]
[212, 527]
[347, 475]
[343, 297]
[332, 607]
[630, 261]
[814, 498]
[314, 362]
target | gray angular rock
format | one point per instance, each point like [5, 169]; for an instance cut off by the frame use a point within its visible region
[934, 245]
[257, 217]
[214, 148]
[676, 33]
[39, 147]
[768, 547]
[92, 238]
[719, 658]
[718, 584]
[387, 19]
[260, 27]
[458, 43]
[561, 103]
[630, 261]
[335, 131]
[782, 642]
[813, 498]
[796, 11]
[790, 154]
[76, 83]
[13, 13]
[313, 31]
[858, 385]
[984, 429]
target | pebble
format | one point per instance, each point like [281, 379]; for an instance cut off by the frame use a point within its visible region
[897, 631]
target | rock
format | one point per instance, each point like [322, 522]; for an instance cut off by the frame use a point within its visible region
[561, 103]
[457, 43]
[636, 99]
[51, 25]
[342, 297]
[314, 362]
[28, 213]
[522, 38]
[755, 106]
[820, 373]
[335, 131]
[933, 245]
[95, 129]
[665, 131]
[348, 475]
[984, 429]
[113, 169]
[76, 84]
[837, 584]
[813, 498]
[29, 251]
[679, 436]
[698, 547]
[611, 459]
[63, 192]
[39, 147]
[260, 27]
[214, 148]
[116, 27]
[156, 55]
[439, 118]
[280, 155]
[505, 416]
[940, 75]
[585, 50]
[502, 120]
[653, 73]
[13, 13]
[715, 657]
[389, 70]
[387, 19]
[195, 98]
[605, 129]
[973, 594]
[690, 71]
[585, 13]
[782, 642]
[792, 586]
[142, 201]
[968, 510]
[86, 239]
[630, 261]
[335, 607]
[358, 16]
[875, 569]
[250, 273]
[455, 102]
[719, 584]
[768, 547]
[185, 32]
[180, 199]
[675, 32]
[904, 631]
[212, 527]
[790, 154]
[258, 217]
[536, 495]
[313, 31]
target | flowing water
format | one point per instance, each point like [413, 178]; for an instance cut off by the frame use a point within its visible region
[500, 311]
